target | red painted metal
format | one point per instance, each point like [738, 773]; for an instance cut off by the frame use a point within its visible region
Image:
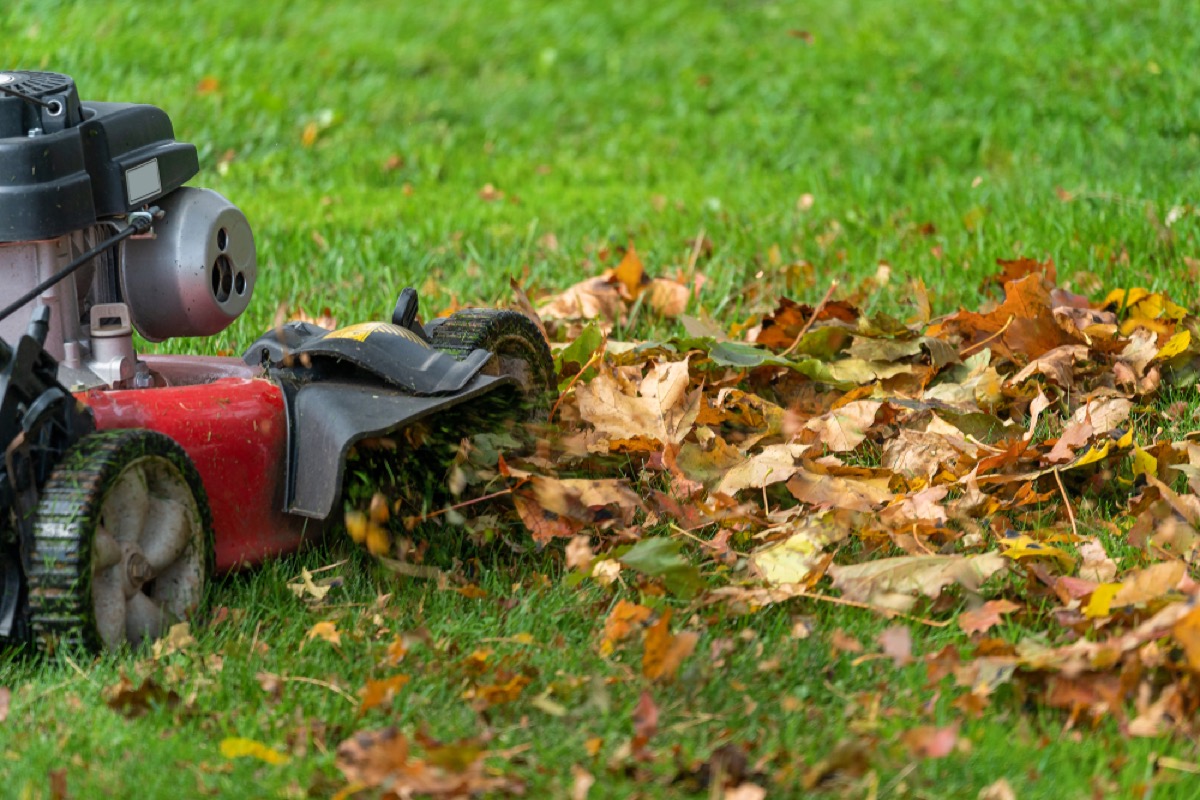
[235, 430]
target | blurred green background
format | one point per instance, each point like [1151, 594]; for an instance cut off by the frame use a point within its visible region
[935, 135]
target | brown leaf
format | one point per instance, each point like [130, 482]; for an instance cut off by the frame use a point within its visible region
[581, 782]
[508, 690]
[383, 758]
[834, 491]
[1151, 583]
[665, 652]
[918, 453]
[1187, 632]
[579, 553]
[1097, 566]
[1023, 327]
[986, 616]
[892, 582]
[1104, 414]
[774, 464]
[591, 299]
[845, 427]
[1074, 436]
[553, 507]
[659, 406]
[645, 721]
[630, 273]
[667, 297]
[124, 698]
[842, 642]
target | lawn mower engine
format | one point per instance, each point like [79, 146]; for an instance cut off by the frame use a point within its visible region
[71, 177]
[127, 480]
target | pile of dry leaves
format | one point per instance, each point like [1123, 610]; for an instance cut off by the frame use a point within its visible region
[945, 471]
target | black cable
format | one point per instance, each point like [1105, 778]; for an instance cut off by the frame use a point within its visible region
[27, 98]
[139, 223]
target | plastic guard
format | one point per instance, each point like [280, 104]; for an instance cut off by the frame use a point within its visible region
[328, 417]
[390, 352]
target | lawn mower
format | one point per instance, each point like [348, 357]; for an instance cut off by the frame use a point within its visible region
[127, 479]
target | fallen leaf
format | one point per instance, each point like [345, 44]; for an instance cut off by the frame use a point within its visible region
[928, 741]
[665, 652]
[659, 406]
[248, 748]
[986, 616]
[378, 692]
[135, 701]
[645, 721]
[622, 621]
[179, 637]
[662, 557]
[845, 427]
[891, 582]
[896, 643]
[326, 631]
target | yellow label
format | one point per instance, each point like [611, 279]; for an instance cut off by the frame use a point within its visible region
[362, 330]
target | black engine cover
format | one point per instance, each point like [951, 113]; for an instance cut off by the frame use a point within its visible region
[64, 164]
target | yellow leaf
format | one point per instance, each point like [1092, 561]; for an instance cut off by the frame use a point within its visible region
[1123, 298]
[1101, 603]
[1177, 344]
[1092, 456]
[1144, 463]
[325, 630]
[1126, 441]
[1024, 546]
[248, 748]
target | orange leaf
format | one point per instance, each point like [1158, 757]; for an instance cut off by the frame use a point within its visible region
[378, 692]
[620, 624]
[986, 616]
[665, 652]
[630, 273]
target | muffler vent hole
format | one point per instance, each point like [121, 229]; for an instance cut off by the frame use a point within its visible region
[222, 278]
[239, 283]
[222, 240]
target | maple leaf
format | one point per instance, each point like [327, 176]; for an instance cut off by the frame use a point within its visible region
[1023, 327]
[659, 407]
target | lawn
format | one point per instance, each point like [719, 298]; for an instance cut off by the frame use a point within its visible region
[457, 145]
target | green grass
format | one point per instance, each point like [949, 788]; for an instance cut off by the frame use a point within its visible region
[648, 122]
